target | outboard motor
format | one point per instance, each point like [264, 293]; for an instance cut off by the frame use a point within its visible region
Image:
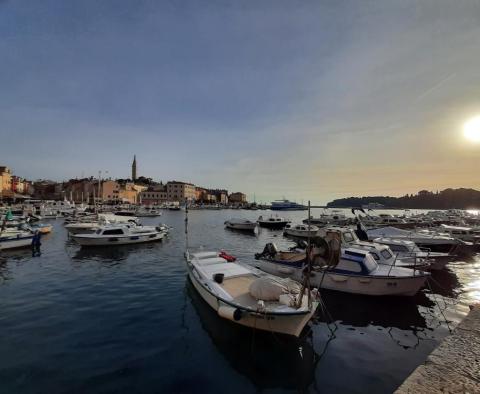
[270, 250]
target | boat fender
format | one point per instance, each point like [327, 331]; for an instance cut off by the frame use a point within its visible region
[227, 312]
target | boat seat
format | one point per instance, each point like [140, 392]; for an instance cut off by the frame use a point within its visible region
[204, 255]
[227, 269]
[211, 261]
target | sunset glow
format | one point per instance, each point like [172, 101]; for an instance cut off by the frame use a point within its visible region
[471, 129]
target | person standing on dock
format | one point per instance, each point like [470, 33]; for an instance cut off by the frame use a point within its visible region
[36, 244]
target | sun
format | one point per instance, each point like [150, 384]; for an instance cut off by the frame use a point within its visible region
[471, 129]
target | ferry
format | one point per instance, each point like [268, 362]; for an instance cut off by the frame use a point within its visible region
[285, 205]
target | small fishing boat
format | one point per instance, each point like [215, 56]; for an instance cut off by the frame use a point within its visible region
[350, 270]
[241, 224]
[249, 297]
[300, 230]
[120, 235]
[272, 222]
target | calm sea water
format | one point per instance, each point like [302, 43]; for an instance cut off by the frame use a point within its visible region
[127, 320]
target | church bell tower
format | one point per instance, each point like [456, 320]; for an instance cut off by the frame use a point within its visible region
[134, 168]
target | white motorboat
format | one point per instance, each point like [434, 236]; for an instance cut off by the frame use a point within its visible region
[408, 251]
[300, 230]
[334, 218]
[380, 252]
[92, 224]
[241, 224]
[15, 240]
[246, 296]
[425, 239]
[272, 222]
[120, 235]
[468, 234]
[355, 271]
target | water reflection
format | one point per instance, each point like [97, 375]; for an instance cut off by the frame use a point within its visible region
[110, 254]
[268, 360]
[361, 311]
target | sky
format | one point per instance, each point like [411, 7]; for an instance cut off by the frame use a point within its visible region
[307, 100]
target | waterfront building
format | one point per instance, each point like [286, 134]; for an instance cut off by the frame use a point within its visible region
[5, 182]
[221, 195]
[238, 198]
[154, 195]
[180, 191]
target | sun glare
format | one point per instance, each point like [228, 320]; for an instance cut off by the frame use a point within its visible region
[471, 129]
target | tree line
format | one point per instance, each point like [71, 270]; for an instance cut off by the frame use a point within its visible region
[424, 199]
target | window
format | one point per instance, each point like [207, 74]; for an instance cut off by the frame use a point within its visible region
[117, 231]
[348, 237]
[375, 256]
[386, 254]
[398, 248]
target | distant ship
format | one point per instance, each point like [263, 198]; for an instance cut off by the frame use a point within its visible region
[285, 205]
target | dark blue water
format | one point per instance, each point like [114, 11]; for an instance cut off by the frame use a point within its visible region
[127, 320]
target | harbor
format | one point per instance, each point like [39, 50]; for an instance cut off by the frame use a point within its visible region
[128, 318]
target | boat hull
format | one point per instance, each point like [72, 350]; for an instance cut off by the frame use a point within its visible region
[273, 225]
[241, 226]
[282, 324]
[15, 243]
[117, 240]
[354, 284]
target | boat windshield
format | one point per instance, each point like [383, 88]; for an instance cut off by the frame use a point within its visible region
[386, 254]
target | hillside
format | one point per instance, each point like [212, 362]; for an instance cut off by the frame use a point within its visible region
[445, 199]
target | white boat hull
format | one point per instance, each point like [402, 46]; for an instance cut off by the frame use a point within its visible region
[374, 286]
[118, 239]
[241, 226]
[286, 324]
[15, 243]
[300, 233]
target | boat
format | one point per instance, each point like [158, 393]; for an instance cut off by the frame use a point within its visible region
[336, 218]
[300, 230]
[349, 270]
[42, 227]
[120, 235]
[249, 297]
[19, 239]
[91, 224]
[425, 239]
[409, 251]
[380, 252]
[241, 224]
[468, 234]
[272, 222]
[286, 205]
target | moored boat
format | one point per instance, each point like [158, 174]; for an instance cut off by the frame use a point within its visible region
[353, 271]
[272, 222]
[120, 235]
[300, 230]
[241, 224]
[250, 297]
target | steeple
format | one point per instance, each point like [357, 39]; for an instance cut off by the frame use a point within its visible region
[134, 168]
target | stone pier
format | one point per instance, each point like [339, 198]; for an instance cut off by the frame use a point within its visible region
[454, 366]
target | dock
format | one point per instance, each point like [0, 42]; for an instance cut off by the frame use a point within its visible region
[454, 366]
